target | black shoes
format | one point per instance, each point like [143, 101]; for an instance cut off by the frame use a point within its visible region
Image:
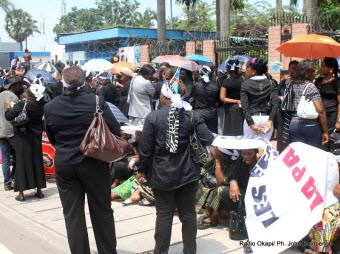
[39, 195]
[20, 198]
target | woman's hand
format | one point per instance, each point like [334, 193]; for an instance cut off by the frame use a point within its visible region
[267, 127]
[218, 156]
[256, 129]
[325, 138]
[259, 154]
[141, 178]
[9, 105]
[337, 126]
[234, 191]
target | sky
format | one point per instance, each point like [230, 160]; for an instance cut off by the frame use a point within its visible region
[50, 10]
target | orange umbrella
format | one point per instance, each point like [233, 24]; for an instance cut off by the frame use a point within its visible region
[311, 46]
[117, 67]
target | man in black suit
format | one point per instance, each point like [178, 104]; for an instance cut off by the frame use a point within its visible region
[107, 89]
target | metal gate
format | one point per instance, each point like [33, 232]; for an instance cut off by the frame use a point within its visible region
[232, 46]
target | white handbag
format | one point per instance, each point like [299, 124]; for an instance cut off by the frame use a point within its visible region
[306, 108]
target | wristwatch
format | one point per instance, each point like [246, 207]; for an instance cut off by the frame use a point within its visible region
[338, 120]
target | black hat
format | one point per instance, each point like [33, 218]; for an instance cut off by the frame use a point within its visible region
[11, 80]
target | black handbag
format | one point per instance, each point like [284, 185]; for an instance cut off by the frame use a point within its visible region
[209, 180]
[334, 141]
[198, 152]
[237, 227]
[22, 118]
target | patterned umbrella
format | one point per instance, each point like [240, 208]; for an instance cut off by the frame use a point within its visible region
[32, 74]
[46, 67]
[178, 61]
[117, 113]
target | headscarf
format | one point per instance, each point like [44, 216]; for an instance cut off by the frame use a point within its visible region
[172, 133]
[38, 91]
[233, 66]
[204, 73]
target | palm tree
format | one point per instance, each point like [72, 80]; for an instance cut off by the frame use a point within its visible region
[20, 25]
[6, 5]
[161, 25]
[225, 18]
[187, 3]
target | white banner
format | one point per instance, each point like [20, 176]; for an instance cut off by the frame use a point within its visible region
[285, 195]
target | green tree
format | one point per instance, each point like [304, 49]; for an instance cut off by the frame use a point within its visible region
[6, 5]
[200, 18]
[20, 25]
[126, 10]
[79, 20]
[146, 19]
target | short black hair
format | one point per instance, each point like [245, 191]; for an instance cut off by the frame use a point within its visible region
[146, 69]
[292, 62]
[331, 62]
[26, 50]
[260, 66]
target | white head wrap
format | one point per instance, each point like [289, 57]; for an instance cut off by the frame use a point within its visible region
[176, 99]
[233, 66]
[38, 91]
[205, 75]
[38, 81]
[66, 85]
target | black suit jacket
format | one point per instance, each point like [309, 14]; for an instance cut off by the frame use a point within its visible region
[67, 119]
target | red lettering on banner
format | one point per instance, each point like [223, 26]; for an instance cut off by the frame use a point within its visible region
[317, 201]
[309, 189]
[290, 159]
[298, 174]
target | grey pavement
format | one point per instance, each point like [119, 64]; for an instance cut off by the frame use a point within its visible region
[37, 226]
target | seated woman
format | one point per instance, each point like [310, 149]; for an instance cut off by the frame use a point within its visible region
[324, 234]
[239, 181]
[121, 171]
[209, 191]
[140, 190]
[133, 188]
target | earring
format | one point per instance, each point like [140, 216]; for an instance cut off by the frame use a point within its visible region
[331, 71]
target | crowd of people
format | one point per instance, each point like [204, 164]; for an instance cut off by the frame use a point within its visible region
[159, 170]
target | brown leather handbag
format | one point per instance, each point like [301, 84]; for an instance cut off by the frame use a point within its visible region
[100, 144]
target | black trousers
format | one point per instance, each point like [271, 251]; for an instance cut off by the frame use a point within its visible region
[184, 199]
[93, 178]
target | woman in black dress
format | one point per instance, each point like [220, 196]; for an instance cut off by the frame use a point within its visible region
[206, 96]
[283, 113]
[30, 172]
[230, 96]
[329, 88]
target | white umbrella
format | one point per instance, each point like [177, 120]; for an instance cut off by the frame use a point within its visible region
[48, 67]
[97, 65]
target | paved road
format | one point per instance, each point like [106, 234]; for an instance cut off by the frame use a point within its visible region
[37, 226]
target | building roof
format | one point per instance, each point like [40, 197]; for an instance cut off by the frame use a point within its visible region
[9, 46]
[119, 32]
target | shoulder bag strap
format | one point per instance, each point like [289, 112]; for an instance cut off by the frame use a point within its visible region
[24, 108]
[304, 91]
[98, 110]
